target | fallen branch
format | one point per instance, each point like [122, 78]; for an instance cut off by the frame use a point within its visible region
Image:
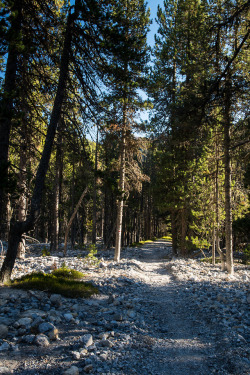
[30, 238]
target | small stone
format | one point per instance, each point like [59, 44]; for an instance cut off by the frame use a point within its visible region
[45, 327]
[103, 265]
[28, 339]
[24, 322]
[87, 340]
[104, 356]
[103, 335]
[106, 343]
[56, 299]
[53, 334]
[41, 340]
[68, 317]
[21, 331]
[88, 368]
[4, 346]
[3, 331]
[5, 371]
[131, 314]
[83, 352]
[73, 370]
[76, 355]
[118, 317]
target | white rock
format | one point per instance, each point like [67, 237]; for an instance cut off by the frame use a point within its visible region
[87, 339]
[41, 340]
[73, 370]
[5, 370]
[76, 355]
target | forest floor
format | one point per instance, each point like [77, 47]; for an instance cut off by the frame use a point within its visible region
[155, 315]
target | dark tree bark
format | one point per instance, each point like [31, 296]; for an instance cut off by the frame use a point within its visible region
[227, 162]
[183, 231]
[56, 194]
[174, 232]
[18, 228]
[95, 193]
[6, 108]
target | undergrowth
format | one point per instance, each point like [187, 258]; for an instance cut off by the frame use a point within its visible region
[209, 260]
[140, 243]
[168, 238]
[64, 281]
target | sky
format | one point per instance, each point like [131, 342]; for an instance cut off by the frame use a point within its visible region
[153, 5]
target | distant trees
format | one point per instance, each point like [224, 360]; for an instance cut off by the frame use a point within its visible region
[67, 69]
[198, 47]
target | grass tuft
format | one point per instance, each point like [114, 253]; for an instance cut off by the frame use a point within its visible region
[68, 273]
[63, 281]
[168, 238]
[209, 260]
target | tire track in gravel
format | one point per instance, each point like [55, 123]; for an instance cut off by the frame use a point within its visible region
[177, 341]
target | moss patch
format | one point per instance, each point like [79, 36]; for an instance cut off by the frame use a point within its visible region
[68, 273]
[63, 281]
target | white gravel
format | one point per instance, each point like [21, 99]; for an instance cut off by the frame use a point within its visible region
[155, 315]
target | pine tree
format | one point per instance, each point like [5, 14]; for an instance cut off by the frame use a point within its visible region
[130, 55]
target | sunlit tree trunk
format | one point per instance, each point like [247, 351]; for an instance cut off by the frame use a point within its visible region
[227, 163]
[56, 193]
[121, 198]
[22, 202]
[217, 228]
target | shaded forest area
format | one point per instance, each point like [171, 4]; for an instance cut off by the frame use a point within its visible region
[69, 71]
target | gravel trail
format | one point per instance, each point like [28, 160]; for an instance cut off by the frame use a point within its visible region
[154, 316]
[177, 341]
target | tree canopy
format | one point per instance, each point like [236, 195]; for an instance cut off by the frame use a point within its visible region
[69, 68]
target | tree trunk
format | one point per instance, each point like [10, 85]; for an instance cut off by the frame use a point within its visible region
[56, 194]
[227, 162]
[22, 204]
[6, 109]
[217, 229]
[73, 224]
[71, 220]
[121, 199]
[174, 233]
[94, 192]
[18, 228]
[213, 247]
[183, 232]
